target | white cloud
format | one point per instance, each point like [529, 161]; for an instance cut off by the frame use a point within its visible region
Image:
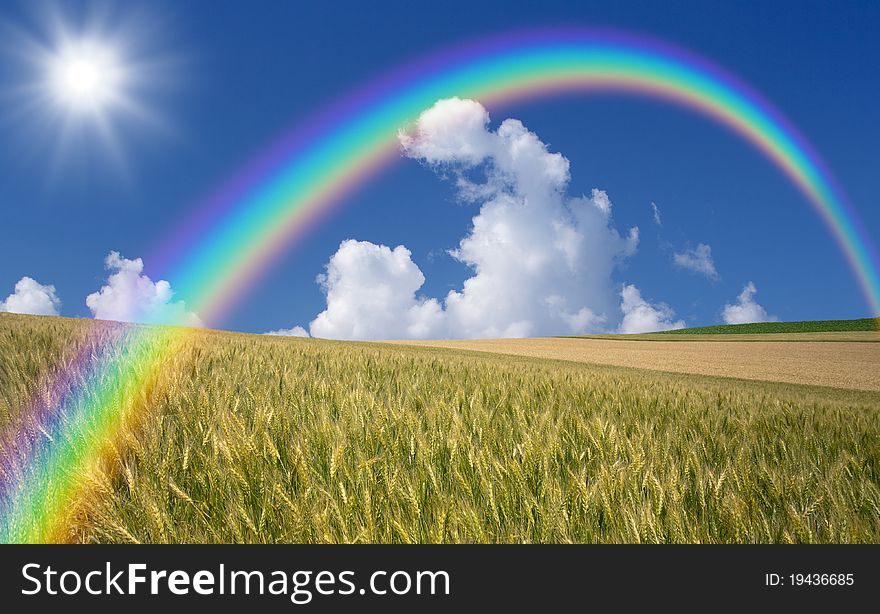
[541, 262]
[698, 260]
[640, 316]
[657, 220]
[746, 310]
[33, 298]
[130, 296]
[296, 331]
[371, 294]
[452, 131]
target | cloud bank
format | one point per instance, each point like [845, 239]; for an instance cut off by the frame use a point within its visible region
[131, 296]
[541, 261]
[32, 297]
[746, 310]
[296, 331]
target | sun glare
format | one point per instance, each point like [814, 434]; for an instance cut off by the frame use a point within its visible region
[86, 77]
[87, 80]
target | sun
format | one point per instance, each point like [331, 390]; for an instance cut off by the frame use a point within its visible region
[86, 77]
[88, 83]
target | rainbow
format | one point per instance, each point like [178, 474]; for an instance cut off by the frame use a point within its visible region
[230, 239]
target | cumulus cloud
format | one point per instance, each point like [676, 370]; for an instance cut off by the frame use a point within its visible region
[296, 331]
[656, 210]
[698, 260]
[541, 262]
[371, 294]
[33, 298]
[453, 130]
[746, 310]
[131, 296]
[640, 316]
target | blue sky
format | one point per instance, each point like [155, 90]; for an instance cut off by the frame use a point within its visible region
[236, 74]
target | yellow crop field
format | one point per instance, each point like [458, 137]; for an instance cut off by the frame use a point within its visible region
[247, 438]
[841, 360]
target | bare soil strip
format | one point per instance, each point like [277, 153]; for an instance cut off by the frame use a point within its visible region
[855, 366]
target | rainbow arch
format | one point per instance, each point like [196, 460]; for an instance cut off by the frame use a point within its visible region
[235, 234]
[239, 231]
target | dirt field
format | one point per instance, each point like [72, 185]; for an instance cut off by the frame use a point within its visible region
[838, 364]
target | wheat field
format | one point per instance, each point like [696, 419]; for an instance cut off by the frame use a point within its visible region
[246, 438]
[840, 360]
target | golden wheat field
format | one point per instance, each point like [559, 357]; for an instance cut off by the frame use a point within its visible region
[247, 438]
[841, 360]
